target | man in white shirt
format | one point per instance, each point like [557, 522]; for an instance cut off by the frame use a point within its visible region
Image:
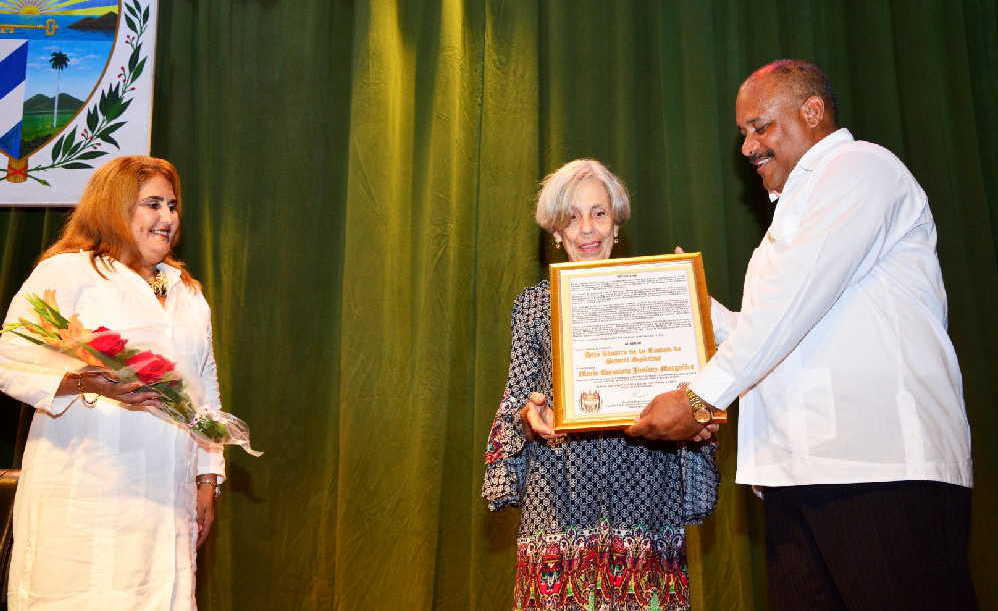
[852, 418]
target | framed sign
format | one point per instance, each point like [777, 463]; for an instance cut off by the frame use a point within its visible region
[76, 83]
[623, 331]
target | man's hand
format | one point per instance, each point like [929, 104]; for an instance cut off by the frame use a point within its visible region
[668, 416]
[707, 431]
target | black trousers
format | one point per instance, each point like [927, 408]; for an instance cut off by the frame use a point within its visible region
[872, 546]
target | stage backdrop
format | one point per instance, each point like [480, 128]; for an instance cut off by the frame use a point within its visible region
[75, 91]
[359, 182]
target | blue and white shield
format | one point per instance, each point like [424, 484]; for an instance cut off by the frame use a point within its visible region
[13, 64]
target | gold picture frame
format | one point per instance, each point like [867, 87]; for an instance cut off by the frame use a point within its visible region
[623, 331]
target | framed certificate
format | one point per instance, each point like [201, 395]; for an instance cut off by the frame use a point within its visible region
[623, 331]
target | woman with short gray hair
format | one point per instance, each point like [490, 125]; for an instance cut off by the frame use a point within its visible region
[603, 515]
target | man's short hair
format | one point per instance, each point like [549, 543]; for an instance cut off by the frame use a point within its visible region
[805, 80]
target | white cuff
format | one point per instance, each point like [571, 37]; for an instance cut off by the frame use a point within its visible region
[713, 385]
[211, 461]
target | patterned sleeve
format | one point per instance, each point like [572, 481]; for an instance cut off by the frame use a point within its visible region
[505, 459]
[700, 480]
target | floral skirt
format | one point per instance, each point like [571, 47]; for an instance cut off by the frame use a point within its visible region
[602, 569]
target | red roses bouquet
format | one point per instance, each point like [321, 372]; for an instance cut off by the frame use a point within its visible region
[106, 349]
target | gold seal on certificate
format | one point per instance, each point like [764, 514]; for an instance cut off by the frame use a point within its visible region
[623, 331]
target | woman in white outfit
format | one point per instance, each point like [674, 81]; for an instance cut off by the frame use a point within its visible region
[113, 501]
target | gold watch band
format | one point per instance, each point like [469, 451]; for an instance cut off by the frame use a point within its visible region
[704, 412]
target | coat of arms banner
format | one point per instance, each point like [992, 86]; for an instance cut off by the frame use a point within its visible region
[76, 84]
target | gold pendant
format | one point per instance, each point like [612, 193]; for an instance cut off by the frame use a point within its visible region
[158, 284]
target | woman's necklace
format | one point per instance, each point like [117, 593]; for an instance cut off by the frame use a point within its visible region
[158, 284]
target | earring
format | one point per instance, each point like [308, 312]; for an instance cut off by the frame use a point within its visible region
[616, 240]
[557, 244]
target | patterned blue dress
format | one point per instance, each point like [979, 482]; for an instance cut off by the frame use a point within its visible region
[603, 514]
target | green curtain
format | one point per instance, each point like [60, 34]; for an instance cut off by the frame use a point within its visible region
[359, 180]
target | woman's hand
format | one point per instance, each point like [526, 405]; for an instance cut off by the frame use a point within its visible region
[94, 380]
[538, 418]
[205, 509]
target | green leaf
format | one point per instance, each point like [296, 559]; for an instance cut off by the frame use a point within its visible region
[76, 149]
[92, 119]
[115, 108]
[131, 24]
[37, 330]
[109, 97]
[76, 166]
[110, 129]
[47, 312]
[138, 69]
[112, 363]
[70, 140]
[30, 339]
[91, 154]
[132, 10]
[114, 111]
[57, 148]
[109, 140]
[102, 104]
[169, 392]
[133, 59]
[211, 429]
[145, 15]
[41, 180]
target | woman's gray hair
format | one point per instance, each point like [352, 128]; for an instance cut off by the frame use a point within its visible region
[554, 202]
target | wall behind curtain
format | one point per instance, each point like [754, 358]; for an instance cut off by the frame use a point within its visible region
[358, 186]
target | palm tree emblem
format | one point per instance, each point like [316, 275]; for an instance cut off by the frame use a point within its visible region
[58, 61]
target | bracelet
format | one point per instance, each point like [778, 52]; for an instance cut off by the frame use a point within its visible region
[79, 387]
[211, 480]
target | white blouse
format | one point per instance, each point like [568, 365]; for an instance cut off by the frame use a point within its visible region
[104, 516]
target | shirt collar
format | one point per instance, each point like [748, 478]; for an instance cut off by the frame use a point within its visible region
[815, 154]
[172, 273]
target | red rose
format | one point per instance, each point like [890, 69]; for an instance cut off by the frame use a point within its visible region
[149, 367]
[108, 342]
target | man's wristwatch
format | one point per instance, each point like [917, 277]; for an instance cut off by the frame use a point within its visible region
[704, 412]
